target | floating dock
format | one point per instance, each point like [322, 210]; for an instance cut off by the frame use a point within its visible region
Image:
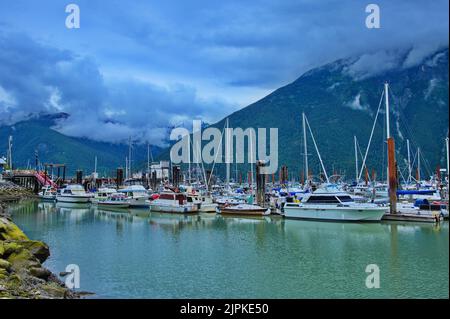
[413, 217]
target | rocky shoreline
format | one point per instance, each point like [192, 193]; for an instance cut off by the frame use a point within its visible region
[21, 272]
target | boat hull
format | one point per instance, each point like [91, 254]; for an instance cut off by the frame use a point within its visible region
[173, 209]
[208, 208]
[111, 205]
[47, 198]
[73, 199]
[248, 212]
[138, 202]
[335, 214]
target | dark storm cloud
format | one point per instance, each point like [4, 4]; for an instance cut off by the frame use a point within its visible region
[136, 67]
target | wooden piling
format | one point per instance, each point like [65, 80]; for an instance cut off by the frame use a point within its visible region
[392, 176]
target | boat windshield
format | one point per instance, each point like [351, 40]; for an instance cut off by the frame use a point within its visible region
[345, 198]
[322, 200]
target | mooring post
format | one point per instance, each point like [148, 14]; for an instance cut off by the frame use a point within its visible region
[260, 184]
[392, 176]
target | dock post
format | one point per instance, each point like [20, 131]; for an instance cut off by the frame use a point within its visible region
[260, 184]
[79, 177]
[119, 177]
[176, 175]
[392, 176]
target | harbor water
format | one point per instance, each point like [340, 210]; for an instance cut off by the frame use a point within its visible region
[138, 254]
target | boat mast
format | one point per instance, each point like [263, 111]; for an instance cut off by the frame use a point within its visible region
[189, 160]
[388, 131]
[409, 162]
[356, 161]
[129, 157]
[95, 170]
[317, 150]
[418, 164]
[448, 176]
[305, 148]
[126, 167]
[251, 162]
[227, 152]
[10, 164]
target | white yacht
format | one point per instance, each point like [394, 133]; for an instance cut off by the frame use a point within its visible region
[47, 193]
[73, 194]
[137, 195]
[204, 203]
[102, 194]
[114, 200]
[171, 202]
[329, 203]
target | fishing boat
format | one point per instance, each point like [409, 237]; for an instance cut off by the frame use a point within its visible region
[204, 202]
[115, 200]
[230, 200]
[74, 193]
[329, 203]
[244, 209]
[137, 195]
[102, 194]
[172, 202]
[48, 193]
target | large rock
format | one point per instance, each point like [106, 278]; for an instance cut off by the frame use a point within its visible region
[4, 264]
[9, 231]
[40, 272]
[38, 249]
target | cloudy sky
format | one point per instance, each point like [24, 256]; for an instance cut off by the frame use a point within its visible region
[135, 67]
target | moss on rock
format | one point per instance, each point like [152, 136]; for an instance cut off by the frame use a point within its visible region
[4, 264]
[38, 249]
[21, 272]
[9, 231]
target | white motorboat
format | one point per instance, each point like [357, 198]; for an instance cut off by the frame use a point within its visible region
[115, 200]
[204, 203]
[244, 209]
[73, 194]
[171, 202]
[331, 204]
[102, 194]
[47, 193]
[137, 195]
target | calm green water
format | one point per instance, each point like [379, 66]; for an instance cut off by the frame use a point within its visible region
[209, 256]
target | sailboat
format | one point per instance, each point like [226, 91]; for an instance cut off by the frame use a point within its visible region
[244, 208]
[328, 202]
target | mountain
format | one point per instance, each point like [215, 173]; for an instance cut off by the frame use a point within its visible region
[341, 99]
[76, 153]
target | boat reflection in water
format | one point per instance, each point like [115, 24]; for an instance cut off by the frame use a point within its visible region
[138, 254]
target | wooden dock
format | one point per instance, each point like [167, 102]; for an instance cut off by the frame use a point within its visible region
[413, 217]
